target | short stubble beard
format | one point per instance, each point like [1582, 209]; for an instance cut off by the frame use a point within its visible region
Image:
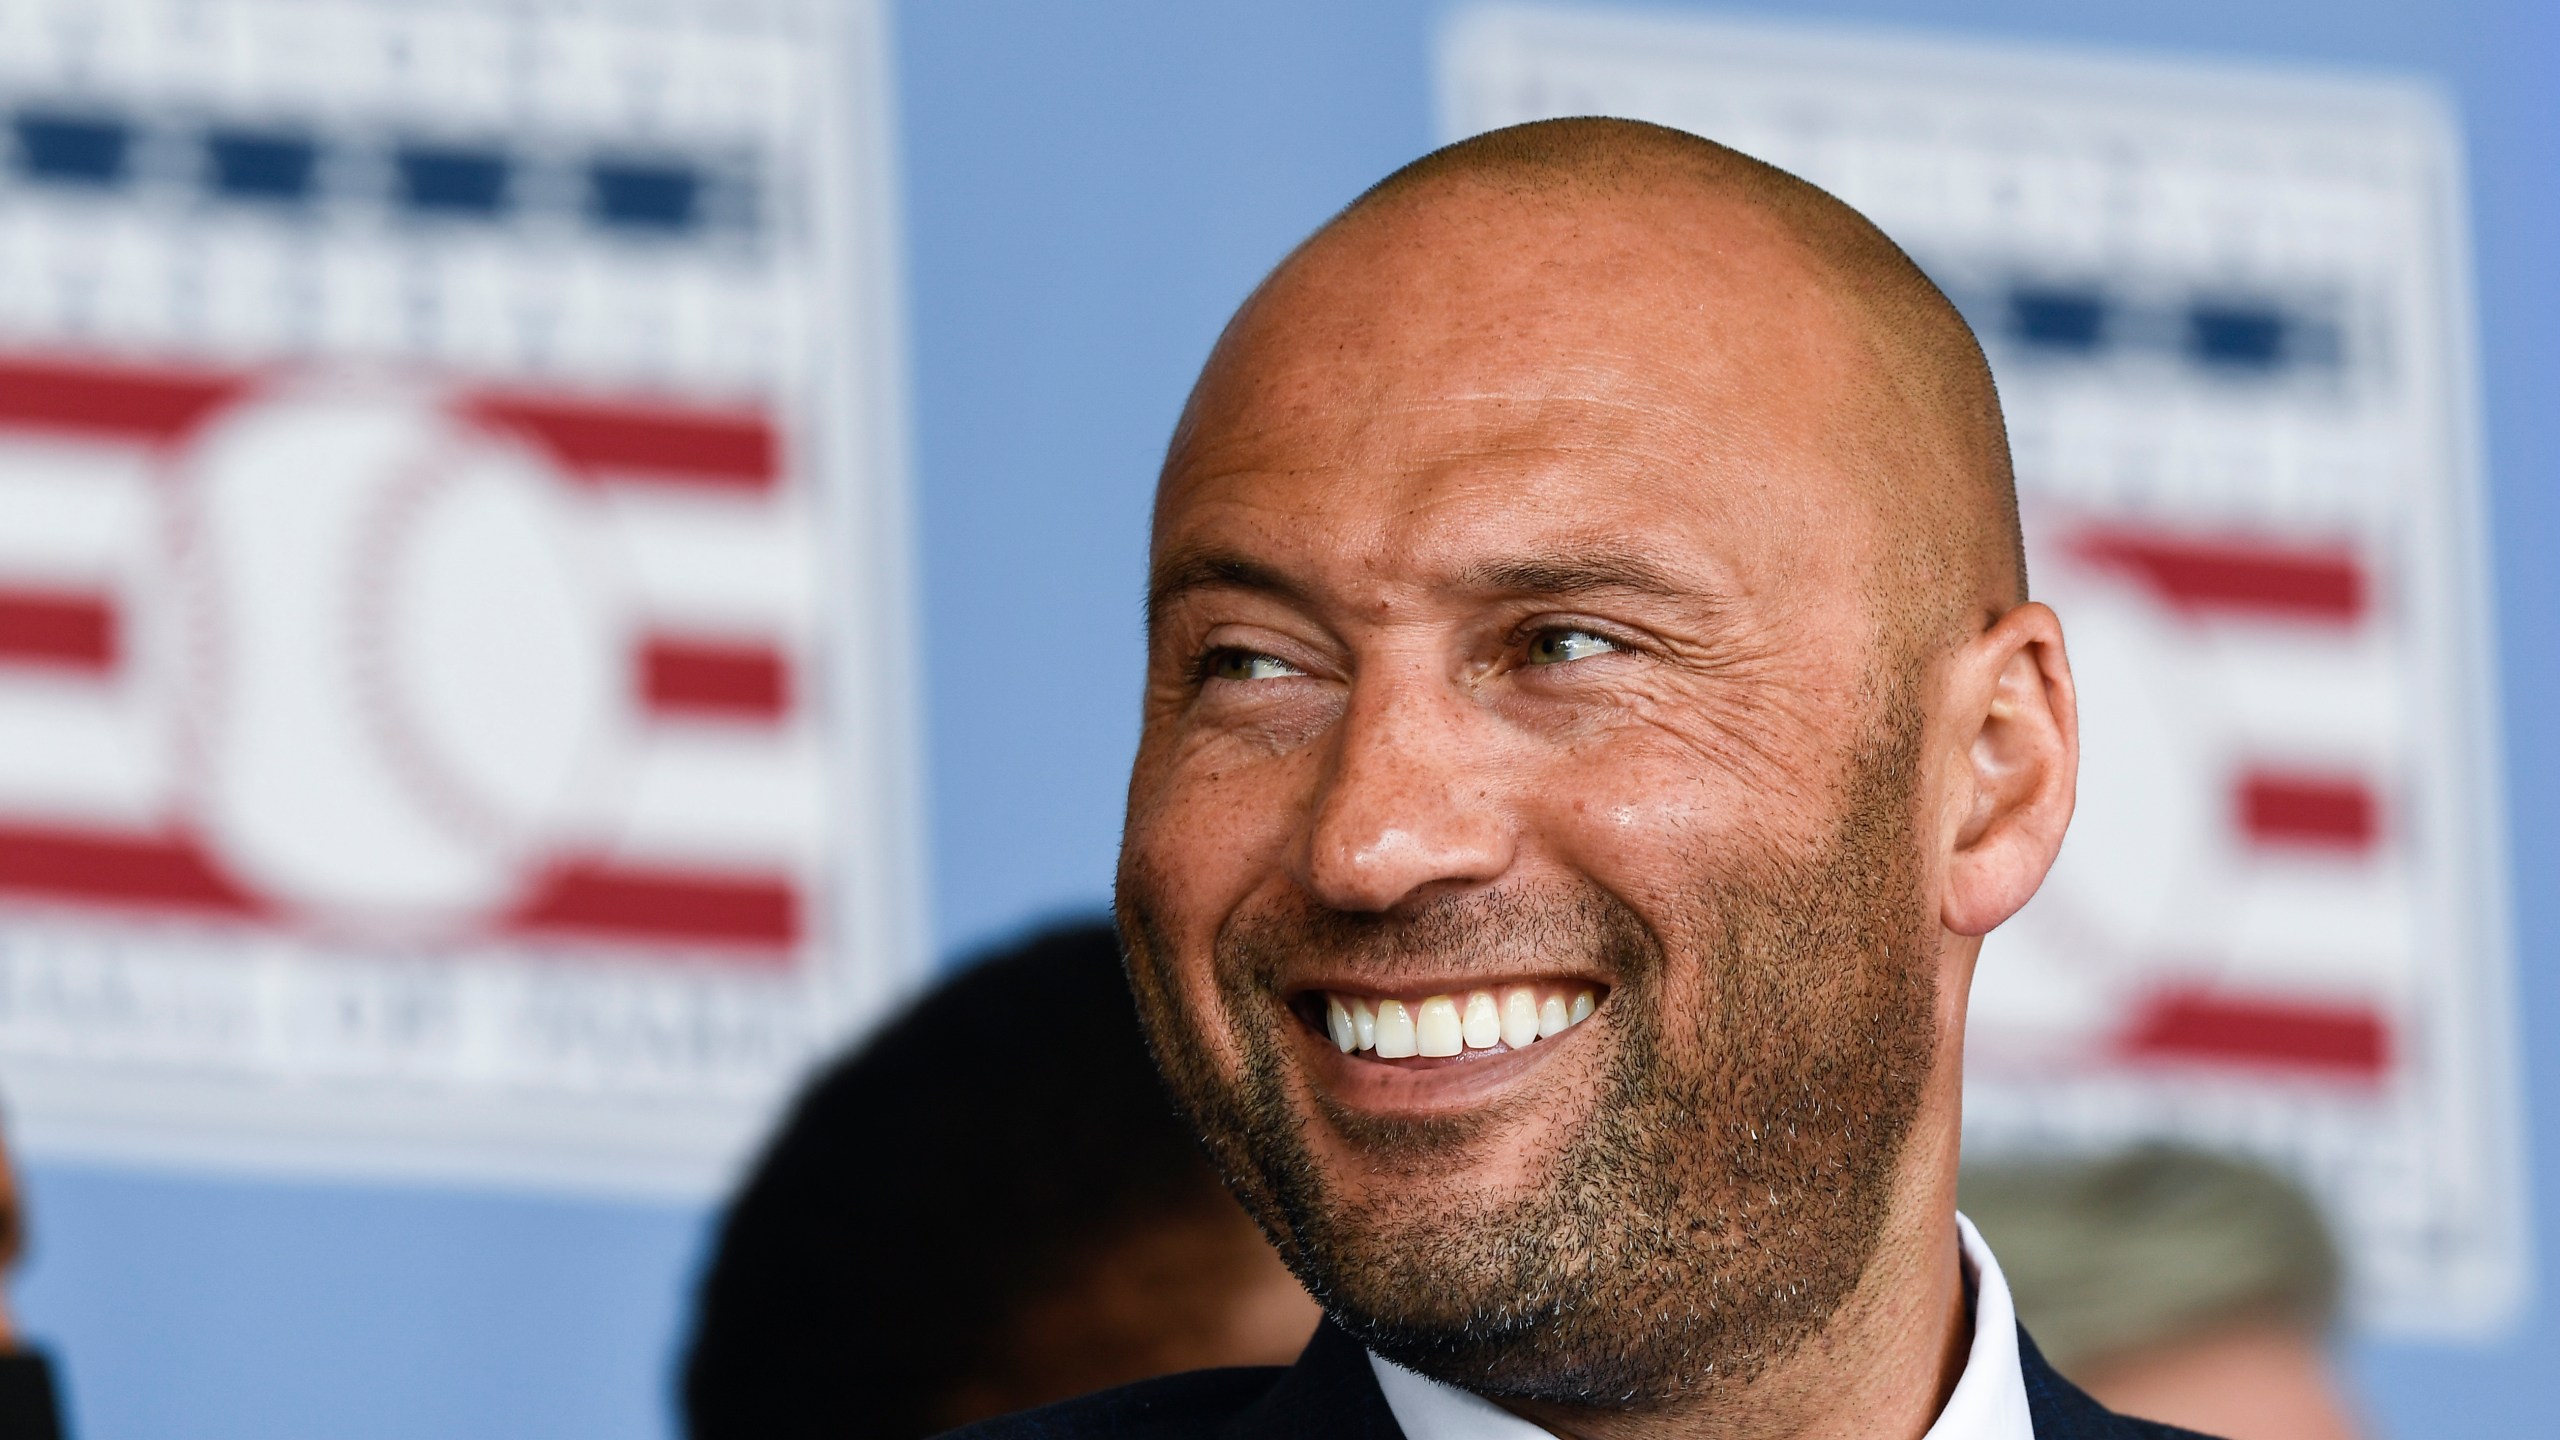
[1726, 1193]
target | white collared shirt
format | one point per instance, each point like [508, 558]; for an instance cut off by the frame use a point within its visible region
[1989, 1403]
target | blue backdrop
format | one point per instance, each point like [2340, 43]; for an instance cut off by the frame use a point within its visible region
[1089, 189]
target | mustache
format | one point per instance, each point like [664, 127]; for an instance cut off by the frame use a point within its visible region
[1548, 929]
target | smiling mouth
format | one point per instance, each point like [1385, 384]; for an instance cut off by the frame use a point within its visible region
[1426, 1030]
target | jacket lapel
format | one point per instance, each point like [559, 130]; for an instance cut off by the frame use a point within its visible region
[1331, 1391]
[2062, 1410]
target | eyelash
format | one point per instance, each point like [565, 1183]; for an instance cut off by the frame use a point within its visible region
[1204, 668]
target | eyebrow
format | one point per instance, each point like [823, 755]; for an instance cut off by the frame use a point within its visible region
[1186, 571]
[1584, 572]
[1581, 573]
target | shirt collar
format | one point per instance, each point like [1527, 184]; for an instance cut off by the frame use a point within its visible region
[1989, 1403]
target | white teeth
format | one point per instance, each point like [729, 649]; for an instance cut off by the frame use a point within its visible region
[1436, 1029]
[1395, 1031]
[1441, 1026]
[1337, 1021]
[1519, 1016]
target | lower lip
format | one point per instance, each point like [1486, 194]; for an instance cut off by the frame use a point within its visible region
[1421, 1086]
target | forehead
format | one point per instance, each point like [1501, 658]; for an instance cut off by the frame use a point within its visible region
[1486, 369]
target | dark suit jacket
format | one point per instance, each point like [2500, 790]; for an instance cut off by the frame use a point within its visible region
[27, 1407]
[1331, 1392]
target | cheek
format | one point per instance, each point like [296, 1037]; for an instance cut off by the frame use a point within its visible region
[1211, 830]
[1655, 825]
[1644, 813]
[1201, 840]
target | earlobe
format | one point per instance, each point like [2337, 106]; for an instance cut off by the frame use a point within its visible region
[2017, 771]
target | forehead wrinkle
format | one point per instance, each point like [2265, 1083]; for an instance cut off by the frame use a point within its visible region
[1497, 439]
[1252, 434]
[1583, 395]
[1382, 316]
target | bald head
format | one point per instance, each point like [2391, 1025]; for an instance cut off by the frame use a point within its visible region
[1709, 233]
[1587, 573]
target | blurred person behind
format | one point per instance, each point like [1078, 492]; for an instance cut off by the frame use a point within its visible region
[29, 1409]
[2173, 1283]
[989, 1205]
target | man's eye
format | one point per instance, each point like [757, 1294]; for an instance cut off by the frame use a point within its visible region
[1555, 647]
[1247, 665]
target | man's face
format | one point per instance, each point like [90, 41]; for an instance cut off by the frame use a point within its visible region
[1521, 877]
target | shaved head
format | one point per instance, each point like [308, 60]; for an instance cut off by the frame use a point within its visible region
[1939, 473]
[1593, 714]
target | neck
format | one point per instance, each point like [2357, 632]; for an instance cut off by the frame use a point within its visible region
[1881, 1370]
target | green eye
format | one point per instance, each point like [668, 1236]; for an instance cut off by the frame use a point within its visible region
[1248, 665]
[1557, 647]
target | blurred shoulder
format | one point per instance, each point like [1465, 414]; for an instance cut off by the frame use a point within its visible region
[1196, 1403]
[1331, 1391]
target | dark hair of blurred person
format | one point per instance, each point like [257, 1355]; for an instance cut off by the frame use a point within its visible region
[30, 1408]
[2173, 1283]
[991, 1204]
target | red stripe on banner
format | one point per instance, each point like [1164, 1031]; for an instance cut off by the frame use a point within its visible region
[128, 402]
[97, 867]
[57, 629]
[2321, 583]
[644, 444]
[2317, 812]
[603, 899]
[710, 679]
[2338, 1040]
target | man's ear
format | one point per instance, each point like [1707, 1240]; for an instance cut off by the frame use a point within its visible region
[2018, 725]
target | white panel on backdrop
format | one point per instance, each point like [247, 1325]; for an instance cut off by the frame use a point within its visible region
[2228, 314]
[452, 601]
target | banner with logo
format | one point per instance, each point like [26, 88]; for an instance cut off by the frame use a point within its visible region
[452, 609]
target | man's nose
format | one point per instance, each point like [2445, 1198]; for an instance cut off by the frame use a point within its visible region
[1411, 801]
